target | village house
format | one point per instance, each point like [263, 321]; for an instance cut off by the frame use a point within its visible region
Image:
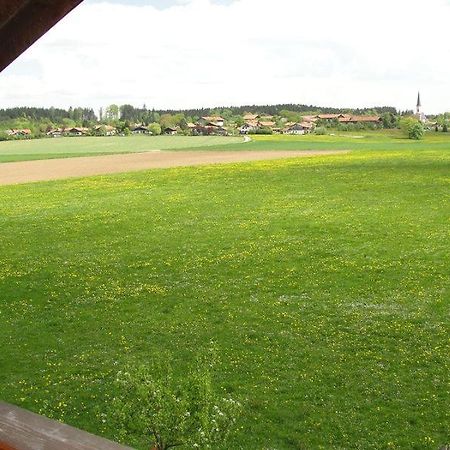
[310, 118]
[55, 132]
[209, 129]
[105, 130]
[375, 120]
[299, 128]
[251, 117]
[17, 133]
[327, 116]
[214, 120]
[170, 131]
[75, 131]
[141, 129]
[266, 124]
[249, 126]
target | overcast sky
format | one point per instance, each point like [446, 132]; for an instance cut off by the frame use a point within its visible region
[204, 53]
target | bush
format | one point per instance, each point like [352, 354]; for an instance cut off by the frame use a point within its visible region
[263, 130]
[445, 128]
[172, 411]
[412, 128]
[416, 131]
[155, 128]
[321, 131]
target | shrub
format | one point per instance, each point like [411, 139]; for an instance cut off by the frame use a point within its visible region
[416, 131]
[263, 130]
[155, 128]
[445, 128]
[320, 131]
[185, 411]
[412, 128]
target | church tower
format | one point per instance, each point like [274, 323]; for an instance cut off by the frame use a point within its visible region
[419, 114]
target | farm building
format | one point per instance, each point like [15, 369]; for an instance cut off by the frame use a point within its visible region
[105, 130]
[299, 128]
[216, 120]
[251, 117]
[248, 126]
[75, 131]
[55, 132]
[208, 130]
[171, 131]
[21, 132]
[266, 124]
[376, 120]
[141, 129]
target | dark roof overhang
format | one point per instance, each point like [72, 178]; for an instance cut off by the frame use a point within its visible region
[23, 22]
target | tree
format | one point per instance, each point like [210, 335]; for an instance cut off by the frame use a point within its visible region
[167, 120]
[112, 113]
[155, 128]
[389, 120]
[127, 112]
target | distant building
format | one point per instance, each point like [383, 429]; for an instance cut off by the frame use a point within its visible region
[249, 126]
[374, 120]
[55, 132]
[105, 130]
[215, 120]
[266, 124]
[76, 131]
[171, 131]
[299, 128]
[209, 129]
[248, 117]
[141, 129]
[22, 132]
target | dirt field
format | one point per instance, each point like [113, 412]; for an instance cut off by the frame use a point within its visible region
[57, 169]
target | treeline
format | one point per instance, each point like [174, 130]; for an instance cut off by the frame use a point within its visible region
[56, 115]
[275, 110]
[130, 113]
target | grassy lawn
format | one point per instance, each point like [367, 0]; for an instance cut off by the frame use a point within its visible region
[25, 150]
[383, 140]
[323, 282]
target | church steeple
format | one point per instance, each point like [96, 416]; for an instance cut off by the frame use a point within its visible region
[419, 114]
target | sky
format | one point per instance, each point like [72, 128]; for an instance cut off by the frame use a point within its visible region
[173, 54]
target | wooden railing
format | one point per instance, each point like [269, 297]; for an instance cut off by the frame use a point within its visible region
[23, 430]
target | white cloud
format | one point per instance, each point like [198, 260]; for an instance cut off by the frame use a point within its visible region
[202, 53]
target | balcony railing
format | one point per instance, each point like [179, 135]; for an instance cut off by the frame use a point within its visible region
[23, 430]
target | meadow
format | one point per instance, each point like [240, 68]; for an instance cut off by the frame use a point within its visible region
[30, 149]
[323, 283]
[383, 140]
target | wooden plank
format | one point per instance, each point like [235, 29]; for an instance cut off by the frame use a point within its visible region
[23, 430]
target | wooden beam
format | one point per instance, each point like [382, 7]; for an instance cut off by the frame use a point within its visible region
[23, 430]
[23, 22]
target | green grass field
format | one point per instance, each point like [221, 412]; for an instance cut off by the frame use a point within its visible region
[324, 283]
[74, 146]
[24, 150]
